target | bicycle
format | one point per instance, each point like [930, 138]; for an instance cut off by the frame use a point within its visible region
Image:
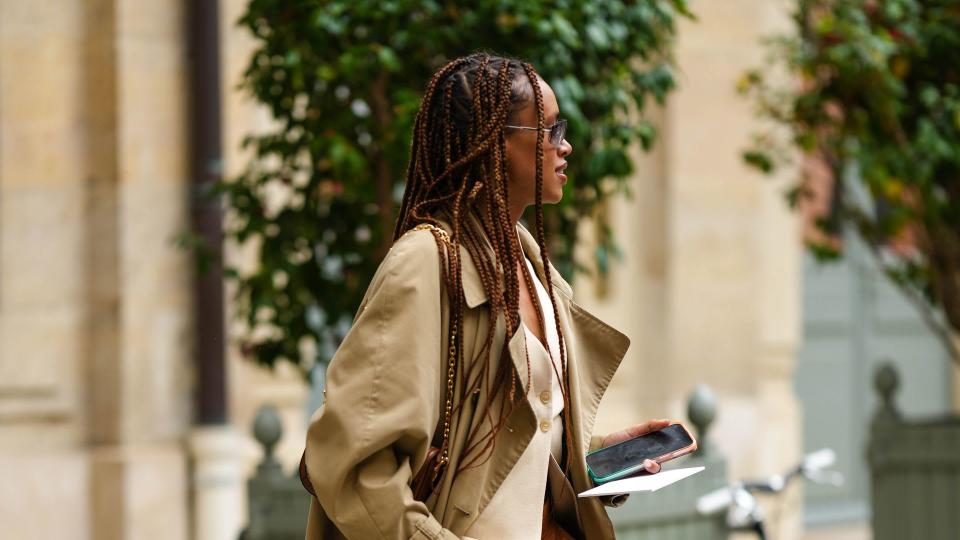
[743, 510]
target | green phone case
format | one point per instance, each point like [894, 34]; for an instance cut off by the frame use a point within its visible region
[623, 473]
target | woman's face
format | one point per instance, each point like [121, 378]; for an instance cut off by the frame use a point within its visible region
[522, 153]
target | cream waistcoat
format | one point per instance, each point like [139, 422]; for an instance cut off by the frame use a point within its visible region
[516, 510]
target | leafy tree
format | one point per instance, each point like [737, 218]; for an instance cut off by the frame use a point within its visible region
[878, 102]
[343, 81]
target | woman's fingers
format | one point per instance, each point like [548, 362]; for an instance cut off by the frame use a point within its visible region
[635, 431]
[651, 466]
[649, 426]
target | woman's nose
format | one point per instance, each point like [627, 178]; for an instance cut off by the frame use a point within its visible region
[565, 148]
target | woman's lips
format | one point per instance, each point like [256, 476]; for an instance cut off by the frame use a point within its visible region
[559, 170]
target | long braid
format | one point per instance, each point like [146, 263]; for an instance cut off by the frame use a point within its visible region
[508, 400]
[458, 161]
[544, 258]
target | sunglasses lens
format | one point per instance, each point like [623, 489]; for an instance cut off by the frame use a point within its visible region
[557, 132]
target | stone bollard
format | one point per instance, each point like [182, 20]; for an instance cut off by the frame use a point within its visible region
[702, 410]
[278, 502]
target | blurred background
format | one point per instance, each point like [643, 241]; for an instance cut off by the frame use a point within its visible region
[193, 196]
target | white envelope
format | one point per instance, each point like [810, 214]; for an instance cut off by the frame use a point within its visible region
[651, 482]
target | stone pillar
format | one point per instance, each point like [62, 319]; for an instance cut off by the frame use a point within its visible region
[780, 429]
[709, 289]
[218, 483]
[43, 270]
[94, 380]
[141, 389]
[735, 281]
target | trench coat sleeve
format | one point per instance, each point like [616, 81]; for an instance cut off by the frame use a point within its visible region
[383, 392]
[596, 442]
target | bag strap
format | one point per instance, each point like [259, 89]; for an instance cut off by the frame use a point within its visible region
[451, 363]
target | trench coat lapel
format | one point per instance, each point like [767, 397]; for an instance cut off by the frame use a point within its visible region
[522, 423]
[596, 349]
[594, 352]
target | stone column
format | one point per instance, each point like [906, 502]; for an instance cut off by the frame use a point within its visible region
[780, 429]
[218, 482]
[141, 389]
[43, 270]
[735, 281]
[709, 289]
[94, 381]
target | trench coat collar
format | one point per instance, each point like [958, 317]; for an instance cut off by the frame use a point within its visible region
[473, 290]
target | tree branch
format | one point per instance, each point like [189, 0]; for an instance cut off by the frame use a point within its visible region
[943, 332]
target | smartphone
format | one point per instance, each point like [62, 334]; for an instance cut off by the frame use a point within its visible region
[626, 458]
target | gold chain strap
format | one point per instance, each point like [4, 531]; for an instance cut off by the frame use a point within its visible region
[451, 364]
[431, 227]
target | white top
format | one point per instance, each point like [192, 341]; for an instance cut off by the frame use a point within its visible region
[516, 509]
[555, 405]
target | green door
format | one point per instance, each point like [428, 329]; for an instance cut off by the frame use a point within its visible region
[853, 318]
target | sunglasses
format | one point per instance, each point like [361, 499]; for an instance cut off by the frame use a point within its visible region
[556, 131]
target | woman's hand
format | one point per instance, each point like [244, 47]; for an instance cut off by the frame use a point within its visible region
[635, 431]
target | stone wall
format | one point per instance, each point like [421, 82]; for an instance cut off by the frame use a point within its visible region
[709, 286]
[94, 297]
[95, 385]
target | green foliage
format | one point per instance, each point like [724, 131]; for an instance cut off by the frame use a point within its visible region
[343, 79]
[879, 102]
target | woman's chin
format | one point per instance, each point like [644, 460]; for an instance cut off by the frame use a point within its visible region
[553, 198]
[551, 194]
[558, 191]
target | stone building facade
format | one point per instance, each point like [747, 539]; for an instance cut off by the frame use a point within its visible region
[96, 376]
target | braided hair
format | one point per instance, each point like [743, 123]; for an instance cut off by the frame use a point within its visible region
[458, 159]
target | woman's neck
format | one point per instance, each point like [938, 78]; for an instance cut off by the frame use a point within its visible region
[516, 214]
[515, 210]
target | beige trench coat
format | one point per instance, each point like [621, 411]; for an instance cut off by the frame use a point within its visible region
[384, 396]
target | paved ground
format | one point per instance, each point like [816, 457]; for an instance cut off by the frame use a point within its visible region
[841, 532]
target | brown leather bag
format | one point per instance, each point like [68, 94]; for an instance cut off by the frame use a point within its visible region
[426, 478]
[422, 483]
[304, 476]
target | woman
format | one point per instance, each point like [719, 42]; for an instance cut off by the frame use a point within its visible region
[498, 369]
